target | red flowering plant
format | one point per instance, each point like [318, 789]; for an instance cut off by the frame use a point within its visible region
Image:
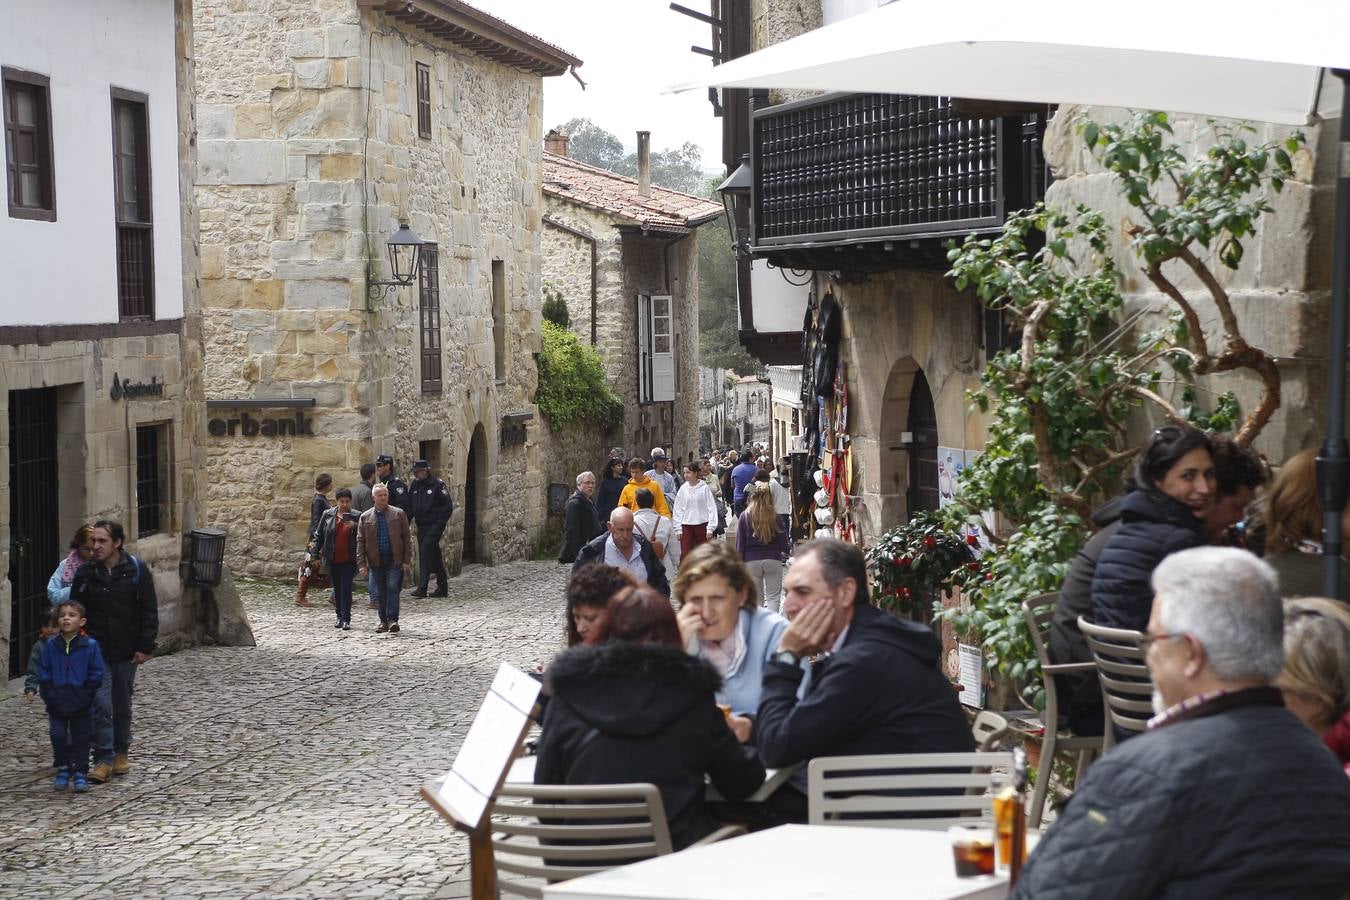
[913, 564]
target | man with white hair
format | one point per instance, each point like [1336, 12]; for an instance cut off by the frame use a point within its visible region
[1227, 794]
[626, 551]
[581, 521]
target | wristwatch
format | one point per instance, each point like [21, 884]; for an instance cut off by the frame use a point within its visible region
[787, 656]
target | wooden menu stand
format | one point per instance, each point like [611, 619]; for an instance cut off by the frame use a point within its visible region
[464, 797]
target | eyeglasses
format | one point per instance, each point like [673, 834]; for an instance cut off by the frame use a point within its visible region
[1149, 640]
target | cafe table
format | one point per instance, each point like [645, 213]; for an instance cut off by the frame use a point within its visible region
[795, 862]
[522, 772]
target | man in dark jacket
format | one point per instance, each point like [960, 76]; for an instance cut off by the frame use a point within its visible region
[430, 508]
[118, 594]
[384, 474]
[626, 551]
[876, 688]
[1227, 794]
[581, 522]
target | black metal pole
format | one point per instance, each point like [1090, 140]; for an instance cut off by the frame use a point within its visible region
[1333, 463]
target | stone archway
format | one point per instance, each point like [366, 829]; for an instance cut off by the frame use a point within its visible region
[893, 485]
[475, 498]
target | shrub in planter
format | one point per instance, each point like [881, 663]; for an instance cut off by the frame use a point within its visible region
[912, 565]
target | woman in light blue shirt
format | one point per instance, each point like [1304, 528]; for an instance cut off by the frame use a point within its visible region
[81, 551]
[721, 620]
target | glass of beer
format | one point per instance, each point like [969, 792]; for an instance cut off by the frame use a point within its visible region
[1003, 823]
[972, 851]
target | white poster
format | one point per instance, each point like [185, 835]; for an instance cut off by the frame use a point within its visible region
[951, 463]
[972, 675]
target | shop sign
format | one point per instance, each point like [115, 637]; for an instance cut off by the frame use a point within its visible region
[248, 426]
[125, 387]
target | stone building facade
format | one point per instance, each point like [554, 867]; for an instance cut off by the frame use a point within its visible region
[323, 125]
[100, 341]
[624, 255]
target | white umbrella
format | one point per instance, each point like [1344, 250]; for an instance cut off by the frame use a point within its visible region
[1243, 60]
[1240, 59]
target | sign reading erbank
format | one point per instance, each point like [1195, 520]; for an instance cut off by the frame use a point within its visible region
[248, 426]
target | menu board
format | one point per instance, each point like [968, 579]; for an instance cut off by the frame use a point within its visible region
[972, 675]
[490, 746]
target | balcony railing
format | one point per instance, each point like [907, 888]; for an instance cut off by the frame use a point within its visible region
[860, 168]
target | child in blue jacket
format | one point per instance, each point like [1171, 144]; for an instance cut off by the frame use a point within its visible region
[70, 673]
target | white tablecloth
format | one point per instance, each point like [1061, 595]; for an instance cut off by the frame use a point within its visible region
[796, 862]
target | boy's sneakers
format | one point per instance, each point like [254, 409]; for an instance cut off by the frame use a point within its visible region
[101, 773]
[81, 783]
[121, 765]
[62, 780]
[393, 628]
[346, 626]
[383, 627]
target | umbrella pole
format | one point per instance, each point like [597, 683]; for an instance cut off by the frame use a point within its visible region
[1333, 463]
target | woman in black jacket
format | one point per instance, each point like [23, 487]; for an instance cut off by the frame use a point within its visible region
[612, 479]
[632, 706]
[1175, 475]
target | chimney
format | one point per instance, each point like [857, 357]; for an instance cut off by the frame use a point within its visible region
[644, 163]
[555, 142]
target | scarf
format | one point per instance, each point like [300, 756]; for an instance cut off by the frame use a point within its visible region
[728, 654]
[68, 568]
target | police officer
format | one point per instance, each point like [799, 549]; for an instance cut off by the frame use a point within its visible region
[398, 489]
[430, 507]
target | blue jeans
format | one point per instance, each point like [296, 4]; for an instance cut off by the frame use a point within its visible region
[385, 583]
[112, 711]
[70, 741]
[343, 573]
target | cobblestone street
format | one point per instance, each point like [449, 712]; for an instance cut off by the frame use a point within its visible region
[286, 770]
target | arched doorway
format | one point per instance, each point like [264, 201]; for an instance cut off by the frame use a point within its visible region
[923, 448]
[475, 492]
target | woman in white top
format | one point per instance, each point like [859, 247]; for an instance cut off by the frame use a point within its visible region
[695, 511]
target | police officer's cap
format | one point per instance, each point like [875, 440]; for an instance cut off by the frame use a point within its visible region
[384, 459]
[420, 464]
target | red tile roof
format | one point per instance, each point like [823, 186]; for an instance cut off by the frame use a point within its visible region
[609, 192]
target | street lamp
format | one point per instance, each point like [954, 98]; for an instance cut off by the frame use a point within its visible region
[735, 193]
[405, 255]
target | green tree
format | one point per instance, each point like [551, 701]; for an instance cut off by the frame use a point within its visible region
[591, 144]
[677, 168]
[719, 345]
[554, 307]
[572, 386]
[1058, 404]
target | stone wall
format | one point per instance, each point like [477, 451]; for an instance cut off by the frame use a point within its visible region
[628, 264]
[304, 175]
[1280, 293]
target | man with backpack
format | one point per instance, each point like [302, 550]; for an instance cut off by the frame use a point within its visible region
[118, 594]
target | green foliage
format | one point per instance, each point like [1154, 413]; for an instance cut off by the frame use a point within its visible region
[912, 564]
[1058, 405]
[554, 307]
[591, 144]
[572, 387]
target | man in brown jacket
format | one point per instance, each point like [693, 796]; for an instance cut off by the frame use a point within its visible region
[384, 554]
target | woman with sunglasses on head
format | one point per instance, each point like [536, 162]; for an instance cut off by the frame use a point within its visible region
[1175, 479]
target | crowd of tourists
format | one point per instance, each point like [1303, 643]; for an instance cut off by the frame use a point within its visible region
[707, 672]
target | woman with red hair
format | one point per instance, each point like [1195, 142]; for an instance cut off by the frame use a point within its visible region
[630, 705]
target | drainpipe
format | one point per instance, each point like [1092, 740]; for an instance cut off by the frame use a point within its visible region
[549, 220]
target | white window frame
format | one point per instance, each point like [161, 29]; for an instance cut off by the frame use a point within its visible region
[656, 348]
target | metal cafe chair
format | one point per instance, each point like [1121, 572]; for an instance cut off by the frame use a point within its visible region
[1127, 686]
[1038, 611]
[880, 790]
[548, 833]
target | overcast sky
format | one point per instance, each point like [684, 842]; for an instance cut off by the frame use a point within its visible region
[632, 51]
